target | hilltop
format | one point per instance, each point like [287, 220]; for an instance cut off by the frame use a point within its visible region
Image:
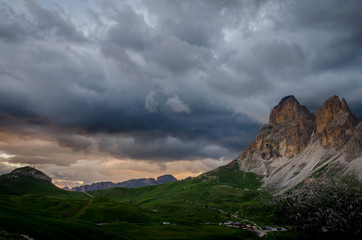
[29, 172]
[28, 180]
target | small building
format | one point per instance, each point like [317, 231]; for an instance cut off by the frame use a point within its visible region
[228, 222]
[275, 228]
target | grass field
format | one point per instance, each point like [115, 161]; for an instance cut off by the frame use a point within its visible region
[42, 211]
[21, 185]
[217, 196]
[56, 218]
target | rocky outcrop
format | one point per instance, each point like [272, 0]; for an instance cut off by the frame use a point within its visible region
[30, 172]
[94, 186]
[166, 179]
[287, 133]
[295, 143]
[133, 183]
[137, 183]
[354, 144]
[327, 112]
[335, 122]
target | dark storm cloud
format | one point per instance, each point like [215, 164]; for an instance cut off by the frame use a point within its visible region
[277, 58]
[30, 160]
[130, 30]
[340, 20]
[76, 143]
[188, 56]
[200, 23]
[12, 25]
[191, 139]
[332, 15]
[53, 22]
[170, 80]
[38, 23]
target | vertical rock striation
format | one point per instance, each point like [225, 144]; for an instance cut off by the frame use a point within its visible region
[335, 122]
[286, 135]
[292, 132]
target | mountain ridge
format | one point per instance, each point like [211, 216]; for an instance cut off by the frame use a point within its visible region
[296, 144]
[132, 183]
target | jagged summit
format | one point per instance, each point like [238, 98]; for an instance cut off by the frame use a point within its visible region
[295, 143]
[287, 133]
[30, 172]
[335, 122]
[329, 110]
[289, 109]
[286, 98]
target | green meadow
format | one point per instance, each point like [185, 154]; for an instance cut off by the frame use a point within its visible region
[191, 209]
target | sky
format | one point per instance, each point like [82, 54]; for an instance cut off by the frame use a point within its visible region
[113, 90]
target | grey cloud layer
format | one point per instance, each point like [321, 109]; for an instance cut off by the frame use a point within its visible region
[171, 80]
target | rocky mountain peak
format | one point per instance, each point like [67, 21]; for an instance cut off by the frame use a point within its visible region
[345, 106]
[335, 122]
[30, 172]
[287, 133]
[289, 109]
[296, 144]
[327, 112]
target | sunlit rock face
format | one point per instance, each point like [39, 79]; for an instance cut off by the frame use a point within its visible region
[294, 136]
[288, 132]
[335, 122]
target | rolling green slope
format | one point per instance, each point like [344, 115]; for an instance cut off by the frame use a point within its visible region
[220, 195]
[42, 217]
[18, 184]
[105, 210]
[40, 210]
[45, 218]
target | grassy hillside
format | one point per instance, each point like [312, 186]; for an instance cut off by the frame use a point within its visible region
[42, 211]
[44, 218]
[56, 218]
[20, 185]
[220, 195]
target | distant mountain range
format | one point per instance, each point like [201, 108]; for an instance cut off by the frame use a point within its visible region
[133, 183]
